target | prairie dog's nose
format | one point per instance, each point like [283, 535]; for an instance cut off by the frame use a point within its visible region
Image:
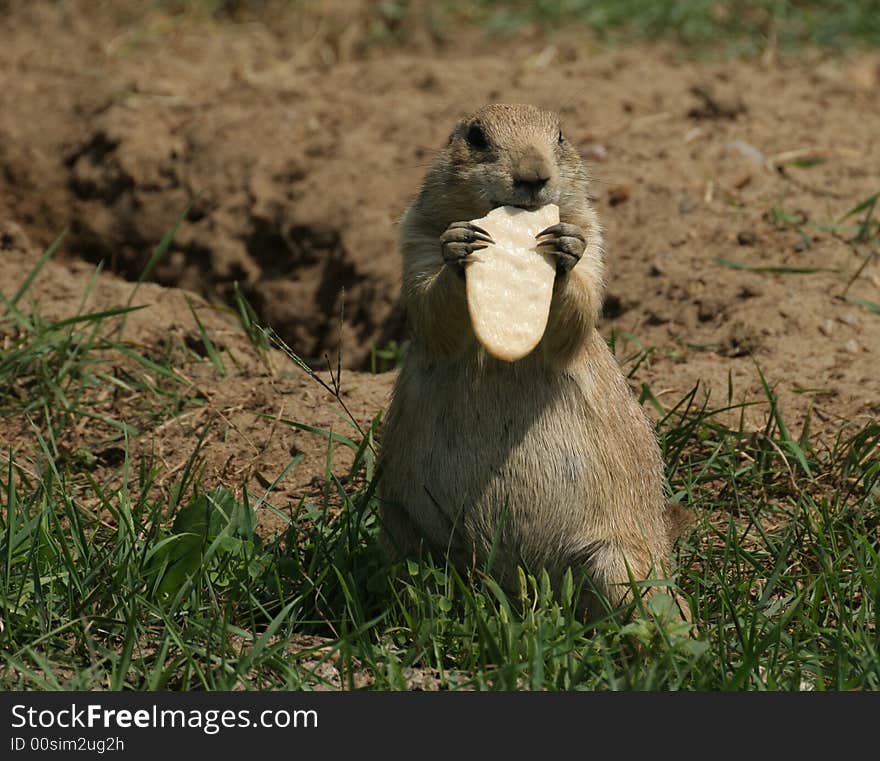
[531, 173]
[531, 185]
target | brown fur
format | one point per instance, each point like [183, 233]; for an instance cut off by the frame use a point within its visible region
[547, 462]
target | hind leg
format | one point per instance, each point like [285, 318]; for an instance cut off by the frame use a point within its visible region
[614, 568]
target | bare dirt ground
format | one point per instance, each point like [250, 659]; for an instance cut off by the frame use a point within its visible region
[297, 147]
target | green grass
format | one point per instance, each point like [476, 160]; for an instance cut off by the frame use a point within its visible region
[743, 25]
[118, 582]
[740, 26]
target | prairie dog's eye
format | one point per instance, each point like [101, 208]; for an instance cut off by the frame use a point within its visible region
[476, 138]
[560, 139]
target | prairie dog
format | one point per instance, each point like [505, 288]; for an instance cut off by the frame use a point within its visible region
[546, 462]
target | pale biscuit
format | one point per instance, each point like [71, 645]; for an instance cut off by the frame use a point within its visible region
[510, 283]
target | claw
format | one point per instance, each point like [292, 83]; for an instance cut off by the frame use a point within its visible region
[562, 228]
[473, 247]
[567, 244]
[459, 261]
[479, 229]
[471, 231]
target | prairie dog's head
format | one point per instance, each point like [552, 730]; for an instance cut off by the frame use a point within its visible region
[509, 155]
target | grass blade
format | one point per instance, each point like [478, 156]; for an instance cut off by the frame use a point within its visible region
[864, 303]
[41, 262]
[777, 269]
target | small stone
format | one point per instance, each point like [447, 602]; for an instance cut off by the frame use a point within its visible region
[826, 327]
[749, 151]
[851, 346]
[851, 319]
[686, 204]
[746, 238]
[594, 152]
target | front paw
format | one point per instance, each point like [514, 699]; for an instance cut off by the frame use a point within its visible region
[460, 240]
[566, 242]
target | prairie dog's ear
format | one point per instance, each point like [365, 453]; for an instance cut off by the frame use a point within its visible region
[456, 131]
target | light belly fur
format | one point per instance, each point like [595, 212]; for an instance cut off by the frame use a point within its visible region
[504, 455]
